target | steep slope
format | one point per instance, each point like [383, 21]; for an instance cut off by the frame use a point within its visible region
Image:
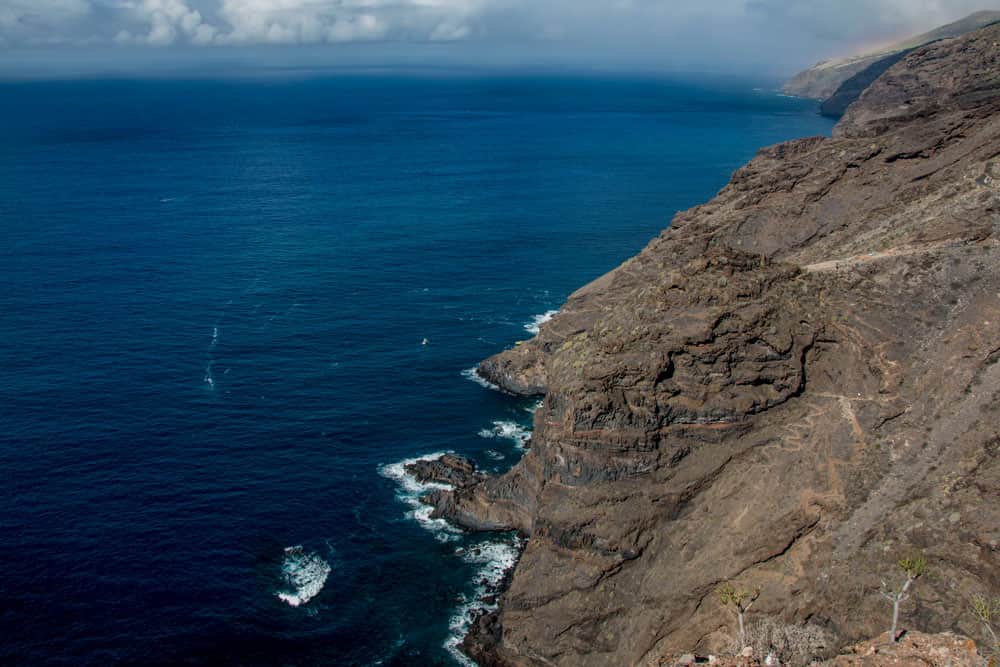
[849, 91]
[824, 80]
[790, 388]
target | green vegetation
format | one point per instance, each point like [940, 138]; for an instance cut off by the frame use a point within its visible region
[740, 601]
[913, 567]
[988, 613]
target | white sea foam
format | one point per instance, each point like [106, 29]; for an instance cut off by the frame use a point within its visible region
[303, 574]
[533, 408]
[410, 491]
[495, 560]
[508, 430]
[209, 378]
[471, 374]
[495, 455]
[535, 325]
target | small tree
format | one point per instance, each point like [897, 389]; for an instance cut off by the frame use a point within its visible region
[740, 601]
[914, 568]
[988, 612]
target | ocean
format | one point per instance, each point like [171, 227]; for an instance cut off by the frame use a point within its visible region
[231, 309]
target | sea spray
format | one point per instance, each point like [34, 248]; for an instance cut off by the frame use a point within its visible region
[534, 327]
[410, 491]
[303, 575]
[472, 374]
[508, 430]
[495, 559]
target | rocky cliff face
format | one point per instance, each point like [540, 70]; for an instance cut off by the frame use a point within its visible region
[792, 387]
[845, 78]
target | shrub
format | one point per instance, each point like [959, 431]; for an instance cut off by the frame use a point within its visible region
[913, 567]
[988, 613]
[794, 645]
[739, 601]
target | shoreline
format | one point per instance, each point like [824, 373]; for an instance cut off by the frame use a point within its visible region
[496, 558]
[493, 557]
[716, 412]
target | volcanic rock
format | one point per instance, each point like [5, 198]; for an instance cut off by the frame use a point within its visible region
[790, 389]
[449, 469]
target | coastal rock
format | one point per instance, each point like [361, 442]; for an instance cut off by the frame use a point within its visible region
[790, 389]
[915, 649]
[484, 635]
[518, 371]
[449, 469]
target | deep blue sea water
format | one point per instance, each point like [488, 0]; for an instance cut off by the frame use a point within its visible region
[214, 298]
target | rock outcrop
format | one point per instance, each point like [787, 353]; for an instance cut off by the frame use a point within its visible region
[792, 387]
[915, 649]
[449, 469]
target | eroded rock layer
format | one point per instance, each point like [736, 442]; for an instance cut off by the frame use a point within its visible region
[790, 388]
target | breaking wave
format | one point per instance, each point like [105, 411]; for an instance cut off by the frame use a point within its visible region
[410, 491]
[535, 325]
[471, 374]
[303, 574]
[495, 560]
[508, 430]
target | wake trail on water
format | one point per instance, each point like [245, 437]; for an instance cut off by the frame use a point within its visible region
[209, 377]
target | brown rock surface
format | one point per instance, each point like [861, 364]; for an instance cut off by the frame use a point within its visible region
[790, 388]
[448, 469]
[915, 649]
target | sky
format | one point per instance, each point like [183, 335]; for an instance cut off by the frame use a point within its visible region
[778, 36]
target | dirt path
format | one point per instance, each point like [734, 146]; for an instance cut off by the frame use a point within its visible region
[891, 253]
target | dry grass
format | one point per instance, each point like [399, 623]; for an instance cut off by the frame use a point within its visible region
[792, 645]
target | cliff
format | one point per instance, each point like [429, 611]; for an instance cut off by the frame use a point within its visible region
[790, 388]
[844, 76]
[847, 94]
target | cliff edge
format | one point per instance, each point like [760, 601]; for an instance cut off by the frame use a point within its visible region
[790, 388]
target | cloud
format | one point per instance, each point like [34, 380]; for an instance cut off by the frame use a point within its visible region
[235, 22]
[651, 31]
[304, 21]
[165, 21]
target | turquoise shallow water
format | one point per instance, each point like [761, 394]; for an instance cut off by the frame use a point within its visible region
[213, 302]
